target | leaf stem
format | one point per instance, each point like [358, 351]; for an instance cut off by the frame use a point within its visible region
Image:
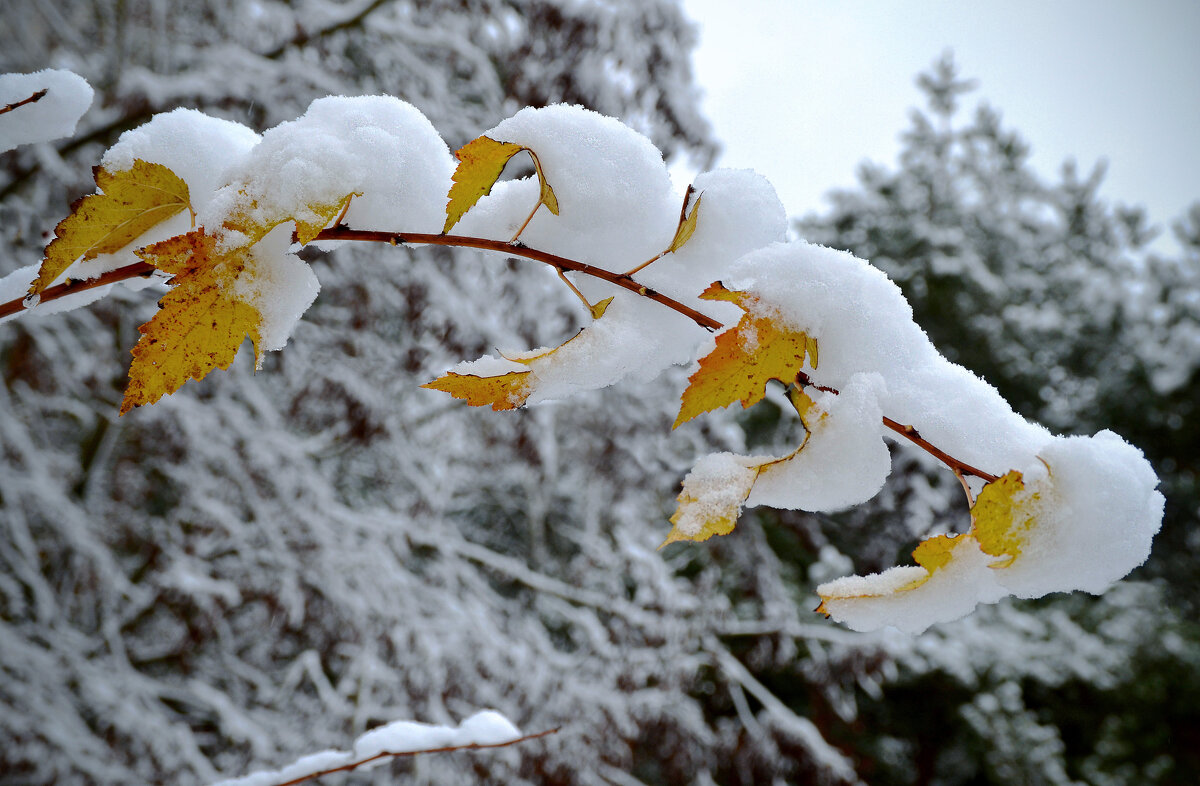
[528, 218]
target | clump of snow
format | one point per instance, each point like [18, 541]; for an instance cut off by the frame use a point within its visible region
[197, 148]
[378, 147]
[279, 285]
[617, 207]
[485, 728]
[54, 115]
[845, 460]
[1096, 513]
[948, 593]
[1094, 510]
[863, 324]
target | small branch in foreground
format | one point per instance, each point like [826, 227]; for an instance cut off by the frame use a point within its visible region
[908, 432]
[38, 96]
[448, 749]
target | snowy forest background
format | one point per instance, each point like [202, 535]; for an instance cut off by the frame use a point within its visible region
[264, 565]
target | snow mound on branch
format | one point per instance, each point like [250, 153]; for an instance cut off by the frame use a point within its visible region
[53, 116]
[618, 209]
[485, 728]
[845, 460]
[864, 325]
[378, 147]
[1093, 510]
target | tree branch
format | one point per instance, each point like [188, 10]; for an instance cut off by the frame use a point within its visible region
[521, 250]
[561, 264]
[474, 746]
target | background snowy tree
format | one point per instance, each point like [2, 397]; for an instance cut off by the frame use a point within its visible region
[1057, 298]
[263, 565]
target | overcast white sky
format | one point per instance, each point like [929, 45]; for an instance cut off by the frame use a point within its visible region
[802, 90]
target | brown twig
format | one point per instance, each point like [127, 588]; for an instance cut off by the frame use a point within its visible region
[521, 250]
[561, 264]
[448, 749]
[136, 270]
[38, 96]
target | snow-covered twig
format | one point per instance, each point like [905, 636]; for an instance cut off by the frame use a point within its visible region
[481, 731]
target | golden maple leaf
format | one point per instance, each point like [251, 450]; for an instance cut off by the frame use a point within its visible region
[747, 356]
[480, 163]
[132, 201]
[200, 324]
[503, 391]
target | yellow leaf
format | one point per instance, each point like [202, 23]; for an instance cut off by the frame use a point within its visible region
[546, 196]
[687, 222]
[255, 228]
[480, 163]
[810, 411]
[131, 202]
[199, 325]
[712, 497]
[599, 309]
[747, 356]
[999, 518]
[504, 391]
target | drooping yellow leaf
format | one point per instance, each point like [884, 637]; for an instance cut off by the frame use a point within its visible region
[546, 195]
[712, 496]
[480, 163]
[255, 227]
[1000, 518]
[132, 201]
[599, 308]
[501, 392]
[748, 355]
[810, 411]
[931, 555]
[687, 222]
[200, 324]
